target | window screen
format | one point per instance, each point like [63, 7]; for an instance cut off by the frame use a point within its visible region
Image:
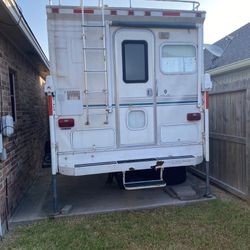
[135, 61]
[178, 59]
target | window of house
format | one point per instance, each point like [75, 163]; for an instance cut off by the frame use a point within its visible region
[135, 61]
[12, 79]
[178, 59]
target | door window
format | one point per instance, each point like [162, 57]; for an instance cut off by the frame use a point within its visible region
[135, 61]
[178, 59]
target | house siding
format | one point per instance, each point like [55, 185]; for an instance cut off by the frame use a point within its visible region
[25, 148]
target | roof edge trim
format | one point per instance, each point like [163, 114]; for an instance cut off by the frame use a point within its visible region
[18, 17]
[230, 67]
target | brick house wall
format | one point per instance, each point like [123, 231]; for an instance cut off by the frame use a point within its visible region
[25, 149]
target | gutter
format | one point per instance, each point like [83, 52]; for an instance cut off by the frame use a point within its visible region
[230, 67]
[20, 20]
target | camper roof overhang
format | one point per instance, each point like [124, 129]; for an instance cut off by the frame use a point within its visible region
[136, 17]
[15, 28]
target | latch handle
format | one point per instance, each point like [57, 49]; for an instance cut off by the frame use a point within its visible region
[149, 92]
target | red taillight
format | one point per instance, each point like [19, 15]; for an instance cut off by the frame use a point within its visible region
[193, 116]
[66, 123]
[55, 10]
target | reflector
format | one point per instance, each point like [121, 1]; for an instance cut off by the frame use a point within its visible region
[193, 116]
[66, 123]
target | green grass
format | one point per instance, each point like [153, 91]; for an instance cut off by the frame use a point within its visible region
[212, 225]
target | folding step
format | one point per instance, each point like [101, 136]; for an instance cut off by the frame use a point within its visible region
[144, 184]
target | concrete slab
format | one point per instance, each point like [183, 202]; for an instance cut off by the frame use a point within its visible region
[89, 195]
[183, 192]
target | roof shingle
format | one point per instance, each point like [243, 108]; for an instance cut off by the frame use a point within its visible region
[236, 47]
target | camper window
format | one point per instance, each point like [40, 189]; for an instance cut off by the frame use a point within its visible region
[178, 59]
[136, 119]
[135, 61]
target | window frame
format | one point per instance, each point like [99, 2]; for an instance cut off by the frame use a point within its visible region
[178, 73]
[12, 93]
[144, 42]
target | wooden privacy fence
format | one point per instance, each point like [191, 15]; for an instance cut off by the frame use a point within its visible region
[230, 132]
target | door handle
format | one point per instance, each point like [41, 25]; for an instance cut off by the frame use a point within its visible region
[156, 85]
[149, 92]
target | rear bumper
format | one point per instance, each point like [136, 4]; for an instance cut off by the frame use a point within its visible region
[128, 165]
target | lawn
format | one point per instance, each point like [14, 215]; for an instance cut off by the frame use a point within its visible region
[218, 224]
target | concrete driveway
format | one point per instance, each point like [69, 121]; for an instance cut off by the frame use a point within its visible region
[91, 194]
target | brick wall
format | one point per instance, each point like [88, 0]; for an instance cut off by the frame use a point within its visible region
[26, 148]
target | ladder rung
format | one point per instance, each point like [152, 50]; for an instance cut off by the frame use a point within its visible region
[95, 71]
[95, 92]
[93, 26]
[96, 114]
[94, 48]
[100, 112]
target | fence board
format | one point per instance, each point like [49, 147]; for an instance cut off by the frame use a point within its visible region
[230, 134]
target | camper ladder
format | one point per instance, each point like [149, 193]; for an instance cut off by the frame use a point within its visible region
[104, 26]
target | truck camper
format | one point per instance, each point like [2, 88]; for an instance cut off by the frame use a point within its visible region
[127, 91]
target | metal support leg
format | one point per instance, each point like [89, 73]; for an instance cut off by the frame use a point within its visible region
[1, 230]
[54, 195]
[208, 189]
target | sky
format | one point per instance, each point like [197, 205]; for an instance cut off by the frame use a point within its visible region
[223, 16]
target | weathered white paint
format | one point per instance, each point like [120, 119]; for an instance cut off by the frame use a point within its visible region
[162, 102]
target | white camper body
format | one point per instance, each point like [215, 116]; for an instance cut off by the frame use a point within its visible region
[126, 90]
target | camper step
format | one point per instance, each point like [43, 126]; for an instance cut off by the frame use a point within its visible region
[144, 184]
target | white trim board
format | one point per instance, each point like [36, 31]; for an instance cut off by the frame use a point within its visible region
[230, 67]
